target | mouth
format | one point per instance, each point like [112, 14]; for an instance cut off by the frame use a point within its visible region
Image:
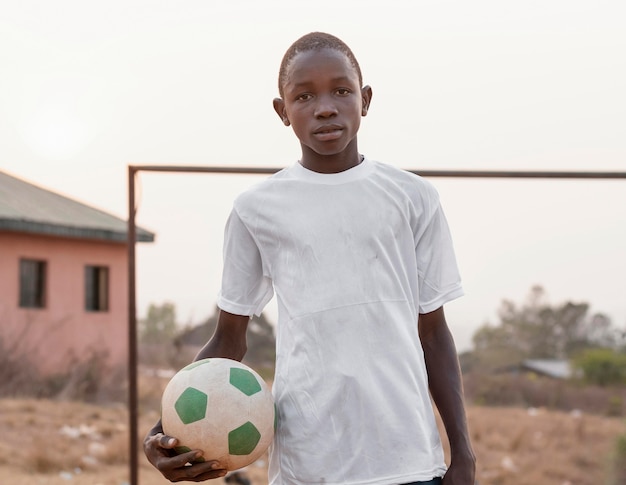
[328, 132]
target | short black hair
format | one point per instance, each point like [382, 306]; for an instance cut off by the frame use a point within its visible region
[312, 42]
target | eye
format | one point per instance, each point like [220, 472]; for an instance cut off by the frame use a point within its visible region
[343, 91]
[304, 97]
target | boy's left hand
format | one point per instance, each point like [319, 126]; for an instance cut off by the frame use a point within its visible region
[159, 449]
[460, 473]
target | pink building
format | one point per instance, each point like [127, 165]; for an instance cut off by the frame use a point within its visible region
[63, 279]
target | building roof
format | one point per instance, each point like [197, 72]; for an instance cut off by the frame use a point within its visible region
[25, 207]
[559, 369]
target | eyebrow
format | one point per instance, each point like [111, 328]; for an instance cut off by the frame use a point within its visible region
[339, 79]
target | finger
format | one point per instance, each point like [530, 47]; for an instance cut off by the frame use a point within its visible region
[198, 472]
[198, 478]
[166, 441]
[181, 461]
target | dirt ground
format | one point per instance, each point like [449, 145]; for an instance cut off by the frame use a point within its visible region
[67, 443]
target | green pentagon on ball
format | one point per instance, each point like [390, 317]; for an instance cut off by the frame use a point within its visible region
[244, 381]
[243, 440]
[191, 405]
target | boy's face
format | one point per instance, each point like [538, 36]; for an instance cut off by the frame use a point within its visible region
[323, 102]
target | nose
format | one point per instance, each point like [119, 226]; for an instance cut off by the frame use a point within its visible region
[325, 107]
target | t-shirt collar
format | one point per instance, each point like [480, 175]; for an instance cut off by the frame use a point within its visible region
[355, 173]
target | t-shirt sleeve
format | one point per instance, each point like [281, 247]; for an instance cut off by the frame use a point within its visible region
[245, 287]
[438, 273]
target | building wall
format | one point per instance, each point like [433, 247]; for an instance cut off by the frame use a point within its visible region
[63, 331]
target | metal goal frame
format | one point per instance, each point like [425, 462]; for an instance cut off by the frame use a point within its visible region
[133, 171]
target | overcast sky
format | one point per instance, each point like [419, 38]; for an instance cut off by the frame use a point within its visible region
[87, 88]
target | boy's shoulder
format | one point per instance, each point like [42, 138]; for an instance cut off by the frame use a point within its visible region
[409, 182]
[268, 182]
[397, 172]
[287, 181]
[256, 194]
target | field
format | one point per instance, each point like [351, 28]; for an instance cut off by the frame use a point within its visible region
[68, 443]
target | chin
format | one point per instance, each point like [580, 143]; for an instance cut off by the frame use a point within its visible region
[329, 151]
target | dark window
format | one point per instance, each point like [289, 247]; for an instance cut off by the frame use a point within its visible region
[32, 283]
[96, 288]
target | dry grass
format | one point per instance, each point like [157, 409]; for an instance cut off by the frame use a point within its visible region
[536, 446]
[56, 442]
[48, 442]
[59, 443]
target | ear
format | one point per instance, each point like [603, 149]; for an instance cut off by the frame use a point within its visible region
[279, 107]
[366, 98]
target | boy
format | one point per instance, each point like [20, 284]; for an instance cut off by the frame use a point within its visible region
[361, 260]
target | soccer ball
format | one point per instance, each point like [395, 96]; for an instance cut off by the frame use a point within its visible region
[221, 407]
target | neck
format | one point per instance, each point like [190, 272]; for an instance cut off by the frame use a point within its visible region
[335, 163]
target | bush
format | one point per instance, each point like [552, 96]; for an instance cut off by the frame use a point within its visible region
[618, 468]
[90, 380]
[531, 390]
[603, 367]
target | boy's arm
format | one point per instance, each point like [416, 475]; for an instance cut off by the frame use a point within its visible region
[446, 388]
[228, 341]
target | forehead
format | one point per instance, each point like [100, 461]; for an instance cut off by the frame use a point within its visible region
[319, 65]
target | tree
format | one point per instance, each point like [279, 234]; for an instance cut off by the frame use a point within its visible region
[260, 338]
[536, 329]
[159, 326]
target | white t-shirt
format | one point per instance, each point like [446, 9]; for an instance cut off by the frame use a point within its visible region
[353, 257]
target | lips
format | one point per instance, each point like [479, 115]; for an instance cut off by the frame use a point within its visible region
[328, 132]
